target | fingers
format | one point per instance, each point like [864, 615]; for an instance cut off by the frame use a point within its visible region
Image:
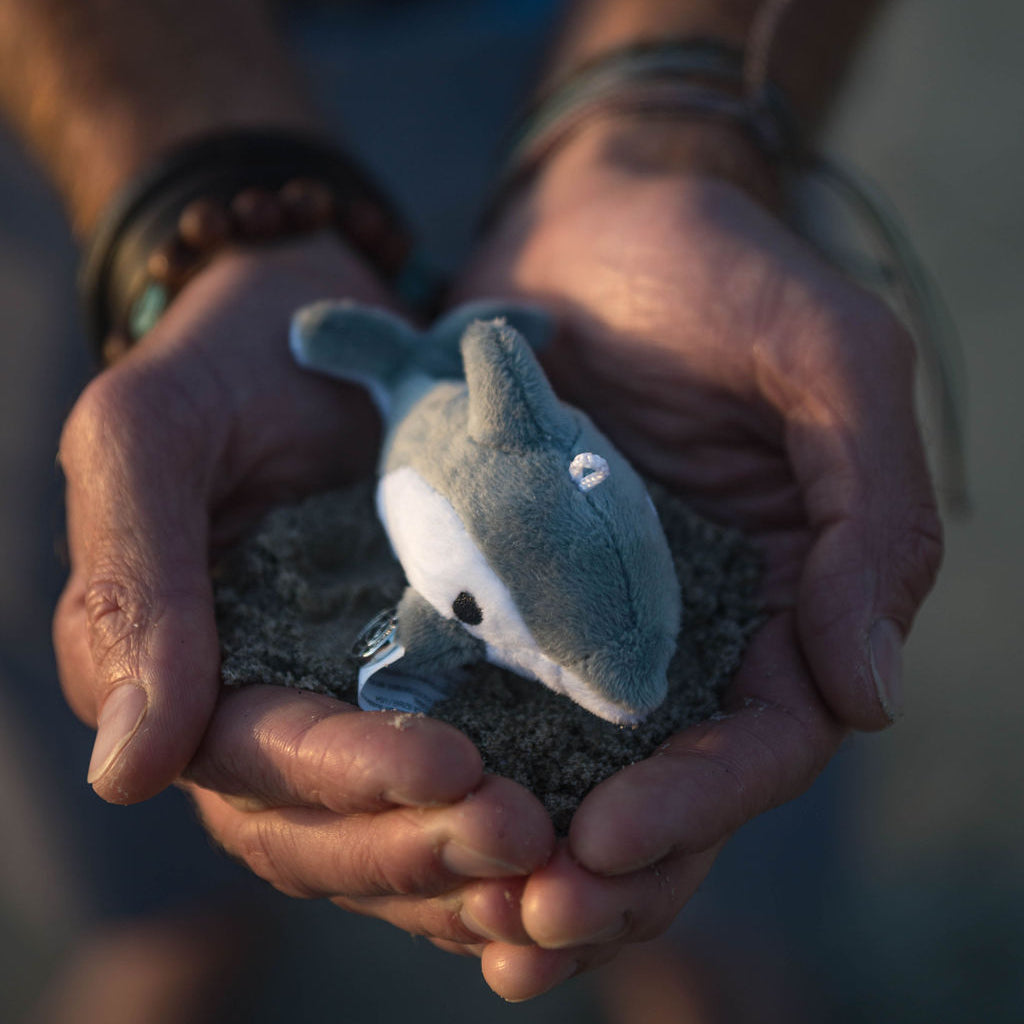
[579, 921]
[470, 915]
[856, 449]
[134, 632]
[459, 948]
[518, 973]
[270, 746]
[497, 831]
[565, 906]
[385, 813]
[643, 841]
[707, 781]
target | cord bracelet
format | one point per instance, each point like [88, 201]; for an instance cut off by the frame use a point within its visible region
[698, 78]
[708, 79]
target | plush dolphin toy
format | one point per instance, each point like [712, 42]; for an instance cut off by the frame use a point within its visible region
[527, 540]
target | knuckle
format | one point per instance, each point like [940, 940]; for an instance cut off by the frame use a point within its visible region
[837, 357]
[85, 425]
[867, 337]
[658, 914]
[390, 860]
[362, 864]
[877, 328]
[117, 612]
[382, 873]
[267, 849]
[108, 403]
[723, 776]
[312, 758]
[900, 343]
[114, 413]
[919, 551]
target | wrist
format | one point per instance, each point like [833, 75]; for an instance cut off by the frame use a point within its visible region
[611, 150]
[101, 88]
[678, 106]
[680, 148]
[99, 155]
[225, 190]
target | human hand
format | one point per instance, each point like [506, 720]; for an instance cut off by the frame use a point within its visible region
[386, 814]
[728, 360]
[168, 456]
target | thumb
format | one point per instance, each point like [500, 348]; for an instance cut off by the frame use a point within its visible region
[134, 631]
[876, 533]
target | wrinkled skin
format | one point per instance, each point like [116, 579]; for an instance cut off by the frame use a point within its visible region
[718, 352]
[168, 456]
[728, 360]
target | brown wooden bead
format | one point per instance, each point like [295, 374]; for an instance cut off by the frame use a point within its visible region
[204, 224]
[391, 252]
[171, 263]
[308, 204]
[115, 346]
[257, 214]
[364, 223]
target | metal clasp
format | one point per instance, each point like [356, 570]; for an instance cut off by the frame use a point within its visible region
[380, 632]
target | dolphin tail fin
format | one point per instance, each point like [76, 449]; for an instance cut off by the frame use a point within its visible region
[355, 343]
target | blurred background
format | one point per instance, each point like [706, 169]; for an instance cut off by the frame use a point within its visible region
[893, 891]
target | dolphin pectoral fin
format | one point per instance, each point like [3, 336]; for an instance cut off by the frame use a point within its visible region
[359, 344]
[423, 662]
[434, 644]
[387, 684]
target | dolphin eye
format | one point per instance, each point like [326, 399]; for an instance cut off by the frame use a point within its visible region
[467, 610]
[588, 469]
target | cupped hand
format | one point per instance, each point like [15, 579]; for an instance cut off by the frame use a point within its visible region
[387, 814]
[168, 455]
[727, 359]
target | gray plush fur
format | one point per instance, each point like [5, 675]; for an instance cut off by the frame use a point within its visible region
[590, 571]
[434, 645]
[374, 347]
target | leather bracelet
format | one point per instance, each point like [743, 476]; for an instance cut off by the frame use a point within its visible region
[238, 187]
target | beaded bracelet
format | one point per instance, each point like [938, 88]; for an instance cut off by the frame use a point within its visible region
[239, 187]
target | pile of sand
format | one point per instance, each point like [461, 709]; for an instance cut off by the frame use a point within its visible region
[293, 597]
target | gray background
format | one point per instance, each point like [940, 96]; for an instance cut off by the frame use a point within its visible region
[898, 881]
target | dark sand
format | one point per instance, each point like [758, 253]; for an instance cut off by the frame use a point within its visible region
[293, 597]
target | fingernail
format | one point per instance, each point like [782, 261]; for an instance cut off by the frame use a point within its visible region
[609, 933]
[570, 969]
[120, 717]
[393, 796]
[477, 928]
[462, 860]
[886, 647]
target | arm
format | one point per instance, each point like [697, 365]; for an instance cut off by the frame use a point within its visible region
[97, 88]
[171, 452]
[810, 51]
[728, 359]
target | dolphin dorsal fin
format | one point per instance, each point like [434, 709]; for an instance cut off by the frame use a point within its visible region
[442, 354]
[511, 404]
